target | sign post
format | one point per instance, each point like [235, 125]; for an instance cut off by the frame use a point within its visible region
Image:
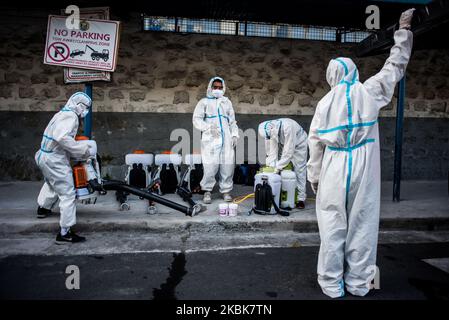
[87, 124]
[398, 142]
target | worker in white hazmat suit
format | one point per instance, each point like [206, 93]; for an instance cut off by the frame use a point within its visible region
[344, 167]
[291, 137]
[53, 158]
[214, 117]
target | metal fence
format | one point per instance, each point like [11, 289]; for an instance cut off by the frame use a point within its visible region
[251, 29]
[354, 36]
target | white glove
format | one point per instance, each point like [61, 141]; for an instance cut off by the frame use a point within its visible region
[277, 171]
[405, 21]
[314, 187]
[234, 142]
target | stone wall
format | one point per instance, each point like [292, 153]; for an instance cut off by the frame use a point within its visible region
[161, 76]
[425, 149]
[167, 72]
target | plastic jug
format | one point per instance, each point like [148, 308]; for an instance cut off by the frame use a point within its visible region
[288, 189]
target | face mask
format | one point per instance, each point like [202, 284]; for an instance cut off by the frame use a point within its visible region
[217, 93]
[85, 112]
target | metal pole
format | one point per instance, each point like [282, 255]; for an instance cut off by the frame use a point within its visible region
[88, 118]
[398, 142]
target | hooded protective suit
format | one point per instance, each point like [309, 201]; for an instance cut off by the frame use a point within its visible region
[58, 144]
[293, 139]
[345, 161]
[215, 118]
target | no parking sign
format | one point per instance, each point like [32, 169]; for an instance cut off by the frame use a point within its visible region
[58, 51]
[94, 46]
[77, 75]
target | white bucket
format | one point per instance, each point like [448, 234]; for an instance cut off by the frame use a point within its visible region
[223, 209]
[233, 209]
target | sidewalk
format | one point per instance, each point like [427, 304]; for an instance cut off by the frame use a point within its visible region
[425, 206]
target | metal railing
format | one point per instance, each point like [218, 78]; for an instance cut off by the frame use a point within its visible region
[251, 29]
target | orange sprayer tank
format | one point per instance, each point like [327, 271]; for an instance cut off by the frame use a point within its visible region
[81, 138]
[79, 176]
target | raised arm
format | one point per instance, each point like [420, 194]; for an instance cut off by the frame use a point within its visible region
[381, 86]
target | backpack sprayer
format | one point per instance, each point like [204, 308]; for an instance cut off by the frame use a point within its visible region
[88, 184]
[167, 175]
[193, 174]
[139, 176]
[267, 193]
[85, 170]
[272, 192]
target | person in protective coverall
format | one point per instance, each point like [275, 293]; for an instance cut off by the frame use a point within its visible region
[214, 117]
[292, 138]
[344, 167]
[53, 158]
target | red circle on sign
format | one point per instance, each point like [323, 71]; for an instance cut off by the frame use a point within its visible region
[53, 45]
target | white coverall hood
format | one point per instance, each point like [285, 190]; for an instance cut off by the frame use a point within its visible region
[78, 103]
[209, 86]
[341, 69]
[269, 129]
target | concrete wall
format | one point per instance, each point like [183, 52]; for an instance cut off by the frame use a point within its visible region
[161, 76]
[425, 153]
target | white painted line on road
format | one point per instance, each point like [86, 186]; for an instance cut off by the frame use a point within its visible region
[440, 263]
[261, 246]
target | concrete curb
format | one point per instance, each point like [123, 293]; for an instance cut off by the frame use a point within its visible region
[218, 226]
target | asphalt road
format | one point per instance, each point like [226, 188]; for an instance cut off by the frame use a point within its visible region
[258, 273]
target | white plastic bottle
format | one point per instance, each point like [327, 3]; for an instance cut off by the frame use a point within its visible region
[288, 193]
[233, 209]
[223, 209]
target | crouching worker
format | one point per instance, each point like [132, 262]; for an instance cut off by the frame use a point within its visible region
[214, 117]
[292, 138]
[53, 158]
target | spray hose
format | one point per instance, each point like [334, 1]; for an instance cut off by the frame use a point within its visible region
[240, 199]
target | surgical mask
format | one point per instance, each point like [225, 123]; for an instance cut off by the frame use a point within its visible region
[84, 113]
[217, 93]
